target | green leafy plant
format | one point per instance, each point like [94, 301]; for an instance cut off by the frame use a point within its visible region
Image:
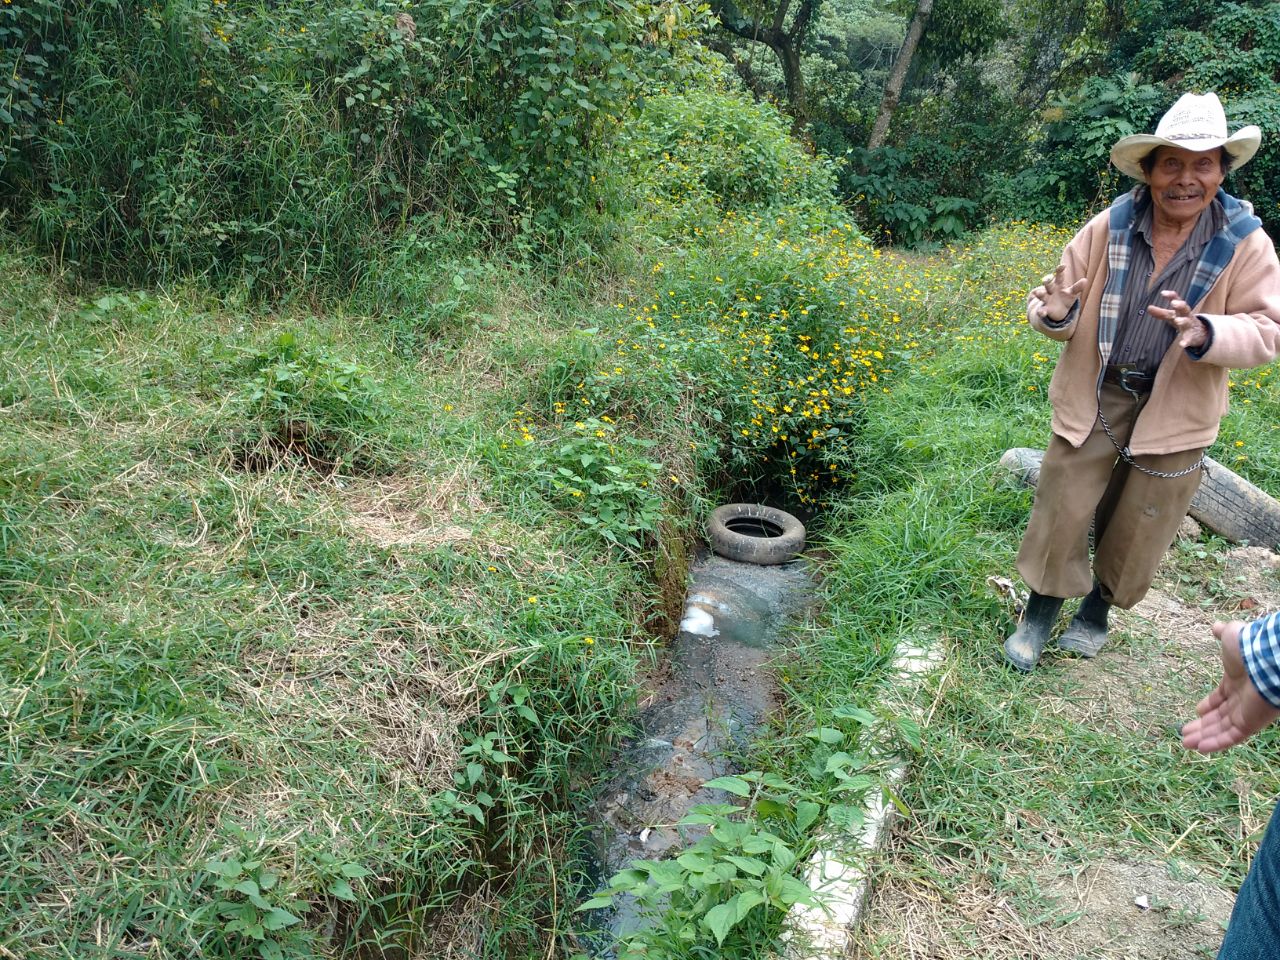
[729, 884]
[951, 217]
[729, 888]
[1075, 171]
[252, 907]
[287, 144]
[307, 401]
[606, 478]
[336, 876]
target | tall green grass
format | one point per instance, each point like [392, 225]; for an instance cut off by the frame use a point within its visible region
[1008, 774]
[371, 693]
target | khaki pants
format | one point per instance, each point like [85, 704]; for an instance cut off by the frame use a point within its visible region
[1134, 516]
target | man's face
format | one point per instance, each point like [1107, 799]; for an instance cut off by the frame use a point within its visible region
[1183, 182]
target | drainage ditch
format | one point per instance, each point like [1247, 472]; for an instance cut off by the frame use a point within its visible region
[713, 693]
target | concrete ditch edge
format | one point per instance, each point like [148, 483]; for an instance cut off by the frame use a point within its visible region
[837, 870]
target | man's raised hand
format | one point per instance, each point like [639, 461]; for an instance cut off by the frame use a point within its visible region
[1052, 299]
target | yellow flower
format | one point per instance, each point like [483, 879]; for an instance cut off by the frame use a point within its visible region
[533, 599]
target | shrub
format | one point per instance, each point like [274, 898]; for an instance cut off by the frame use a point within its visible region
[308, 402]
[763, 340]
[1169, 49]
[607, 479]
[282, 142]
[695, 154]
[953, 149]
[1074, 171]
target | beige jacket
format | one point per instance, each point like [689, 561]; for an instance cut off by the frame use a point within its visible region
[1189, 396]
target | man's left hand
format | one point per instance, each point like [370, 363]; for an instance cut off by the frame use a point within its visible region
[1190, 329]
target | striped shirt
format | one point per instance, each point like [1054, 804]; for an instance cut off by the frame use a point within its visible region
[1240, 222]
[1142, 340]
[1260, 649]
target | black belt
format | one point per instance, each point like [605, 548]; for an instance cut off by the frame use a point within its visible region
[1134, 381]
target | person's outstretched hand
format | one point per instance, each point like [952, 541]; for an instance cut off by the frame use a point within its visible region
[1188, 329]
[1052, 299]
[1235, 711]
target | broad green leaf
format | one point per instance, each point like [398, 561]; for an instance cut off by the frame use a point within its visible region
[825, 735]
[735, 785]
[840, 761]
[748, 900]
[910, 730]
[865, 717]
[846, 816]
[857, 782]
[341, 888]
[277, 919]
[751, 865]
[767, 808]
[784, 857]
[720, 920]
[694, 861]
[806, 813]
[795, 891]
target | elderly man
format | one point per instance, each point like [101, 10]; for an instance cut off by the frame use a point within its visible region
[1154, 300]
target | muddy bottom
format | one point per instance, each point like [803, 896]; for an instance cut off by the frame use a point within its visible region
[714, 691]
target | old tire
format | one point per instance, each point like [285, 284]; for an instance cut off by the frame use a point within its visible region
[1226, 502]
[752, 533]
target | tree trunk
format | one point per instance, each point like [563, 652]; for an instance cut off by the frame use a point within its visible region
[898, 75]
[785, 43]
[793, 79]
[741, 67]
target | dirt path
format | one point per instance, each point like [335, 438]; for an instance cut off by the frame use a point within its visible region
[1057, 899]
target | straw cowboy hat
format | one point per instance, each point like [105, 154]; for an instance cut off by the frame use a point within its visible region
[1196, 122]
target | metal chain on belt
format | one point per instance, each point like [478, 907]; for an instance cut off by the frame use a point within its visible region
[1127, 457]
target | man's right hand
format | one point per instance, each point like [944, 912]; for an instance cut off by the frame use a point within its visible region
[1052, 300]
[1235, 711]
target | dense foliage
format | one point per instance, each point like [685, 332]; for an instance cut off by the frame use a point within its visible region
[283, 142]
[317, 623]
[1160, 51]
[1010, 110]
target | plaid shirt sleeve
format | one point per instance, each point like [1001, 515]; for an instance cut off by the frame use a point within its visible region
[1260, 649]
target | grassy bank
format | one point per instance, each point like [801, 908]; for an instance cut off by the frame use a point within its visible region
[1029, 788]
[299, 652]
[318, 625]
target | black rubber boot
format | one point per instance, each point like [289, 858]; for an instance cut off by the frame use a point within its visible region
[1087, 632]
[1022, 650]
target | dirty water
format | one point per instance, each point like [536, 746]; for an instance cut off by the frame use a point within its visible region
[716, 692]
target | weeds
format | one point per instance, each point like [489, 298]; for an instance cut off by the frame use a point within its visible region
[216, 688]
[304, 401]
